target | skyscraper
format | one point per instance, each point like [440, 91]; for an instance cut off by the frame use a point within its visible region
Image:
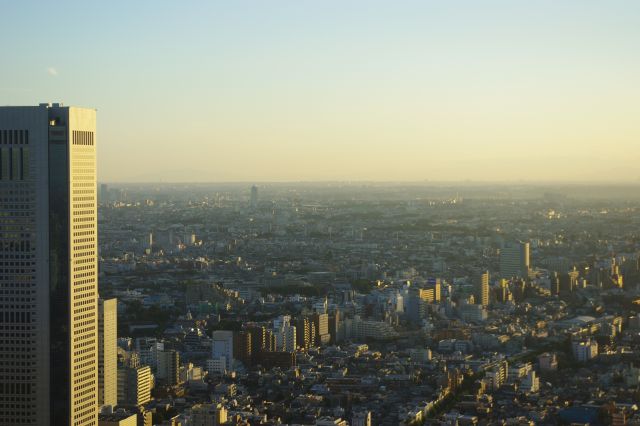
[514, 260]
[108, 352]
[48, 266]
[482, 289]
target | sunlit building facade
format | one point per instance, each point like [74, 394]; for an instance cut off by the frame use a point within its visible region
[48, 266]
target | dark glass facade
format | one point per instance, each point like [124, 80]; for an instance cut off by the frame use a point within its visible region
[59, 315]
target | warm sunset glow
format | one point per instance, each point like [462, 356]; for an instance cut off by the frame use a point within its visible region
[336, 90]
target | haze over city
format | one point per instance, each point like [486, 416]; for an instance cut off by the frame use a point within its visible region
[339, 91]
[319, 213]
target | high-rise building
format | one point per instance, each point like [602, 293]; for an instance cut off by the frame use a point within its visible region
[108, 352]
[285, 334]
[305, 333]
[258, 339]
[48, 264]
[482, 289]
[514, 260]
[568, 282]
[321, 328]
[222, 347]
[242, 347]
[334, 326]
[253, 202]
[104, 194]
[431, 291]
[169, 367]
[134, 385]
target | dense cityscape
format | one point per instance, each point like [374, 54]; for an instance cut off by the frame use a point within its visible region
[354, 304]
[320, 213]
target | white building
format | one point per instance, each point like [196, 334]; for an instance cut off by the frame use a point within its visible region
[148, 349]
[359, 329]
[286, 338]
[222, 347]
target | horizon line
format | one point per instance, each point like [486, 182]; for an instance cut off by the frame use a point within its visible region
[412, 182]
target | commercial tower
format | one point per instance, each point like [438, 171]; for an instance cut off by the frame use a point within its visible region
[514, 260]
[48, 266]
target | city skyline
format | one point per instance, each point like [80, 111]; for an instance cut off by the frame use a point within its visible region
[319, 213]
[317, 305]
[365, 91]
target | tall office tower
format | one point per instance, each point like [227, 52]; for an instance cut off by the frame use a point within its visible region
[514, 260]
[48, 266]
[482, 289]
[222, 347]
[108, 352]
[254, 197]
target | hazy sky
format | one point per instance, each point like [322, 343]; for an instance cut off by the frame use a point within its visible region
[338, 90]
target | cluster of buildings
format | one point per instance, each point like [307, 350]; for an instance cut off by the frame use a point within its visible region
[304, 304]
[332, 313]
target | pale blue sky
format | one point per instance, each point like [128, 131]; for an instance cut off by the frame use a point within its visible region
[338, 90]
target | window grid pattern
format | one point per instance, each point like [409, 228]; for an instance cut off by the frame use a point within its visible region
[84, 289]
[18, 313]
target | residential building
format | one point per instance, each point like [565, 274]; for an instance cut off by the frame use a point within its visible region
[482, 289]
[169, 367]
[134, 385]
